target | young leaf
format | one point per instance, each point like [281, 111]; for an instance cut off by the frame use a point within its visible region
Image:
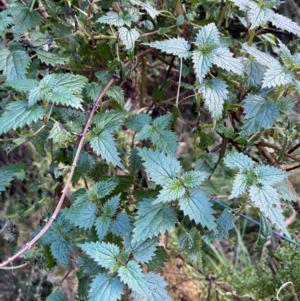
[238, 160]
[197, 206]
[128, 37]
[153, 220]
[214, 92]
[104, 146]
[14, 63]
[132, 275]
[17, 114]
[116, 93]
[176, 46]
[106, 288]
[192, 179]
[156, 285]
[258, 14]
[109, 121]
[61, 251]
[260, 113]
[266, 198]
[171, 191]
[160, 167]
[82, 215]
[208, 36]
[105, 254]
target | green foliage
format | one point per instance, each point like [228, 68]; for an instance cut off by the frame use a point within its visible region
[157, 114]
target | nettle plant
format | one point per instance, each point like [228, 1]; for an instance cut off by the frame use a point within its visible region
[64, 69]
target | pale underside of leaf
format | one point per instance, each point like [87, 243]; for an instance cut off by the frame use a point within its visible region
[202, 63]
[128, 37]
[277, 76]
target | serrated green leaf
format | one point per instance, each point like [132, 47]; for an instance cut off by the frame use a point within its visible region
[93, 90]
[7, 174]
[102, 224]
[269, 175]
[17, 114]
[109, 121]
[138, 121]
[104, 188]
[104, 145]
[5, 20]
[116, 93]
[61, 251]
[110, 207]
[26, 19]
[59, 134]
[240, 185]
[112, 18]
[159, 259]
[157, 292]
[285, 192]
[144, 251]
[176, 46]
[285, 105]
[50, 58]
[254, 71]
[202, 62]
[160, 167]
[106, 288]
[286, 55]
[190, 244]
[266, 198]
[83, 215]
[196, 204]
[224, 222]
[57, 296]
[262, 57]
[214, 92]
[224, 59]
[14, 63]
[285, 23]
[105, 254]
[84, 166]
[132, 275]
[153, 220]
[22, 85]
[277, 76]
[260, 113]
[238, 160]
[121, 225]
[128, 37]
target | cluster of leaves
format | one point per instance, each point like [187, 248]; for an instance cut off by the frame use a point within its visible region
[56, 68]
